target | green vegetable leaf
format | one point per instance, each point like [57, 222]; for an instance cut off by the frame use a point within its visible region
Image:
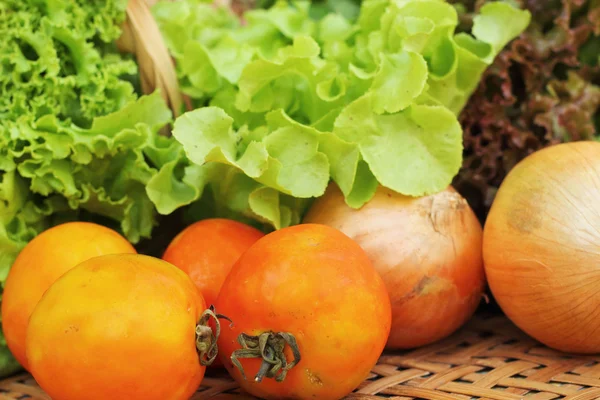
[334, 27]
[402, 77]
[286, 159]
[102, 170]
[497, 24]
[415, 151]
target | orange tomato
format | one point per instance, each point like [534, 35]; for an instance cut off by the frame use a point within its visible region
[117, 327]
[206, 251]
[317, 284]
[40, 263]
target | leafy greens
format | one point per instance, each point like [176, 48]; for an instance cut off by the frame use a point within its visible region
[286, 102]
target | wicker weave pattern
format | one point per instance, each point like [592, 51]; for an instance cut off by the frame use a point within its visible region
[489, 359]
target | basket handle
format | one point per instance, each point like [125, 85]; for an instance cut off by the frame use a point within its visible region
[142, 38]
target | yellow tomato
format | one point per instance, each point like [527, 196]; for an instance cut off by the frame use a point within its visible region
[117, 327]
[40, 263]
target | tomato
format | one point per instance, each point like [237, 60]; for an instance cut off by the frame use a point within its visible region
[312, 285]
[117, 326]
[206, 251]
[40, 263]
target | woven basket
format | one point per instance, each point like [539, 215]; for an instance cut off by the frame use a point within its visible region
[488, 359]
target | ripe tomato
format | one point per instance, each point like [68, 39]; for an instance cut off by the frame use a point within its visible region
[40, 263]
[117, 326]
[206, 251]
[318, 288]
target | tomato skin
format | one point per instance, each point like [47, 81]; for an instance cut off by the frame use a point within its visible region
[318, 284]
[43, 260]
[207, 249]
[117, 326]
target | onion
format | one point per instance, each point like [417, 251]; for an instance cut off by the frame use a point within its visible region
[428, 252]
[542, 246]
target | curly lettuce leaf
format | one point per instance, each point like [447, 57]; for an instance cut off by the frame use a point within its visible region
[103, 169]
[58, 57]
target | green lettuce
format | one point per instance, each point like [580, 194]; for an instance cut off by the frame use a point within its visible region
[290, 101]
[58, 57]
[60, 170]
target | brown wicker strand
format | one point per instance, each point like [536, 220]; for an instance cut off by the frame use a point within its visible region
[142, 37]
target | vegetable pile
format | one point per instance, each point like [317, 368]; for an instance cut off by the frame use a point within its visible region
[281, 103]
[77, 141]
[75, 137]
[341, 119]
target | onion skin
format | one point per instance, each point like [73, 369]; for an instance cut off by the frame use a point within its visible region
[542, 246]
[428, 252]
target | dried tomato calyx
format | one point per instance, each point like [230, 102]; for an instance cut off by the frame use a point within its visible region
[269, 347]
[206, 340]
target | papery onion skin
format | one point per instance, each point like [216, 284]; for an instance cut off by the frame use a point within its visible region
[542, 246]
[428, 252]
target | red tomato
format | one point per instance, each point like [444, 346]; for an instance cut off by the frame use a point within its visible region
[206, 251]
[43, 261]
[317, 284]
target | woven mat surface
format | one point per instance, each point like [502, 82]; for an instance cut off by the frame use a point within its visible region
[488, 359]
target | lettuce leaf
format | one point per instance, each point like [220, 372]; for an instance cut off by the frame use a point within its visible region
[102, 170]
[58, 57]
[363, 100]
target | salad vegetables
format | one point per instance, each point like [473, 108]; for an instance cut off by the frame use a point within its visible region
[77, 142]
[280, 103]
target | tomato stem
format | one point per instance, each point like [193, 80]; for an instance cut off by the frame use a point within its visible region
[268, 346]
[206, 340]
